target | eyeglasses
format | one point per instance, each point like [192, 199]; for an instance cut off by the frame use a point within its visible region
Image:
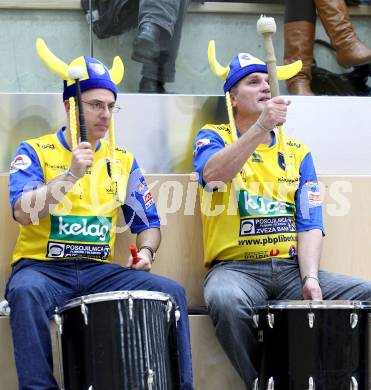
[97, 106]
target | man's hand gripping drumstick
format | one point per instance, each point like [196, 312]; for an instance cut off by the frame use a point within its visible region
[138, 261]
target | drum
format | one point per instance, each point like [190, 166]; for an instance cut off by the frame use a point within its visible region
[119, 340]
[314, 345]
[366, 306]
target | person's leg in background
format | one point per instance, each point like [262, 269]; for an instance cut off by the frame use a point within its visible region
[299, 31]
[163, 71]
[157, 42]
[350, 51]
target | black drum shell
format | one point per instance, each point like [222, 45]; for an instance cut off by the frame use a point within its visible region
[331, 352]
[119, 345]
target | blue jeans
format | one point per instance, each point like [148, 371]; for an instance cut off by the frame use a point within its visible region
[36, 288]
[234, 288]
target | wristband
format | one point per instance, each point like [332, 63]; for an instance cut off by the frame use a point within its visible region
[309, 277]
[263, 127]
[153, 253]
[69, 173]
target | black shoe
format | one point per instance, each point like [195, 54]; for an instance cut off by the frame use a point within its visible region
[151, 86]
[146, 46]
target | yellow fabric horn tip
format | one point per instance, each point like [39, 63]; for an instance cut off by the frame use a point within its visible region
[285, 72]
[117, 71]
[216, 68]
[52, 62]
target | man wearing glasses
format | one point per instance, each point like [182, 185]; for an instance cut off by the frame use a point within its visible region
[63, 195]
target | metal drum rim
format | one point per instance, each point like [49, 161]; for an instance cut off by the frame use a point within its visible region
[114, 296]
[308, 304]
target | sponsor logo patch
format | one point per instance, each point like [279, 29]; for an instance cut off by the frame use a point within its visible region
[63, 250]
[148, 200]
[250, 205]
[244, 59]
[80, 229]
[46, 146]
[200, 144]
[247, 227]
[281, 161]
[295, 144]
[224, 128]
[57, 167]
[311, 184]
[314, 198]
[141, 187]
[97, 68]
[55, 249]
[292, 251]
[256, 158]
[267, 225]
[313, 193]
[256, 255]
[278, 239]
[274, 252]
[20, 163]
[295, 180]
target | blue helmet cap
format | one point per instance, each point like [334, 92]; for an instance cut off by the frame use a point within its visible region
[96, 76]
[241, 66]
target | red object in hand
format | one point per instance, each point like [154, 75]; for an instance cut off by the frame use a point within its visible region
[134, 253]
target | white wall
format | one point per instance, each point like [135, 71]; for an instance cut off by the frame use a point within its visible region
[337, 129]
[160, 129]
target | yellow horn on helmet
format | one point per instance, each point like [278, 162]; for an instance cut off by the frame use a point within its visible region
[117, 71]
[53, 63]
[216, 68]
[285, 72]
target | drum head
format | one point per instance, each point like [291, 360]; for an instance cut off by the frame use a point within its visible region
[114, 296]
[366, 304]
[307, 304]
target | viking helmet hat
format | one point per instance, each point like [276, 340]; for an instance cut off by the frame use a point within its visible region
[241, 66]
[82, 74]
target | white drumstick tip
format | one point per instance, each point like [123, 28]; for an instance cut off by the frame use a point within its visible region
[75, 72]
[266, 25]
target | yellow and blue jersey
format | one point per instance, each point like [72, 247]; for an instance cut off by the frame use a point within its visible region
[261, 219]
[84, 222]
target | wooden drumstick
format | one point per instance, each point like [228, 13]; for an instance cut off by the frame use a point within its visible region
[267, 27]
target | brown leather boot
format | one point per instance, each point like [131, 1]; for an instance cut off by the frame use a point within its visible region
[350, 51]
[299, 41]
